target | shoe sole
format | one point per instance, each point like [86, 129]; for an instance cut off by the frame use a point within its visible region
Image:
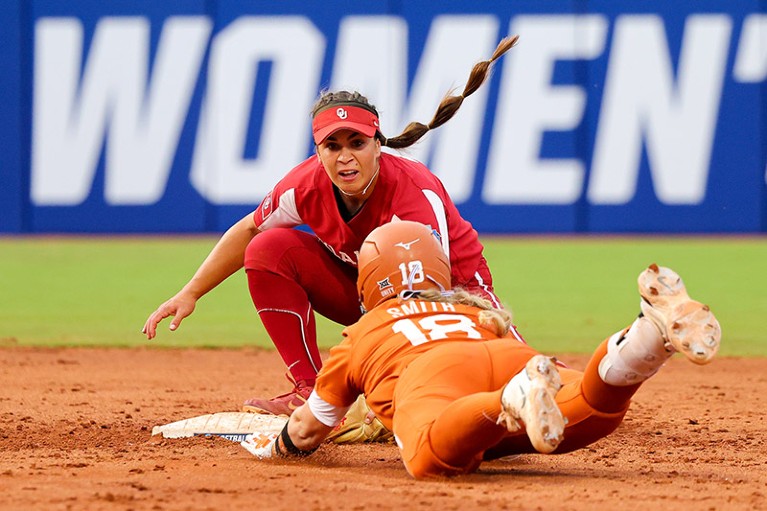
[687, 325]
[543, 419]
[255, 409]
[269, 410]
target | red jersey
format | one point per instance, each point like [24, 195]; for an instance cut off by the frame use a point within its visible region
[377, 348]
[405, 189]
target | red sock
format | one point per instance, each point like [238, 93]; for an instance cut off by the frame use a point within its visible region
[287, 315]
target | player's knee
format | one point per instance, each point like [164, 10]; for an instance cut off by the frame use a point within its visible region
[426, 464]
[268, 248]
[418, 469]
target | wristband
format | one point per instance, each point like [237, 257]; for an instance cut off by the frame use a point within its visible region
[289, 447]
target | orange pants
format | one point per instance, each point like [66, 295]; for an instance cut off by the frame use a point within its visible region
[447, 402]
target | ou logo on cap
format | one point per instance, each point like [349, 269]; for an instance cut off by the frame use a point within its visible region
[341, 113]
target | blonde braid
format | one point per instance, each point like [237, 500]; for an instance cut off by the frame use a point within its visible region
[495, 320]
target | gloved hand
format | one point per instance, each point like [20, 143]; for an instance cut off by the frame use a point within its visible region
[359, 425]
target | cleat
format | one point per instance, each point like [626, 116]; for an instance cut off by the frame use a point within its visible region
[686, 325]
[530, 397]
[283, 404]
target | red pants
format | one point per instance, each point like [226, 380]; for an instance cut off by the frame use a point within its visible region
[290, 275]
[445, 416]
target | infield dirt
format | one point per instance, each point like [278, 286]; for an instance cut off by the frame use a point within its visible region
[75, 434]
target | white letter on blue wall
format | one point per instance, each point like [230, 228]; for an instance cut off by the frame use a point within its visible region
[382, 75]
[530, 105]
[643, 101]
[751, 60]
[294, 45]
[144, 119]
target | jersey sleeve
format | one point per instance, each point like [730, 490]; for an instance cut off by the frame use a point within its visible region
[327, 413]
[335, 381]
[278, 209]
[283, 205]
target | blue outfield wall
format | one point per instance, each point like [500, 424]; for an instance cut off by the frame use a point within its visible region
[137, 116]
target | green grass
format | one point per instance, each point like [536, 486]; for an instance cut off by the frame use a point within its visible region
[567, 294]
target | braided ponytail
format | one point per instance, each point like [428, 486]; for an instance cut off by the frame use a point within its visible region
[451, 103]
[447, 108]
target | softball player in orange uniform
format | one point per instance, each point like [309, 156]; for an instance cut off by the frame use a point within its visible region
[437, 368]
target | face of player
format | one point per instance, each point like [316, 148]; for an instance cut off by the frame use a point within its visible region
[351, 161]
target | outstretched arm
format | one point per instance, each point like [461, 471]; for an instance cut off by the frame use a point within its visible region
[300, 437]
[302, 434]
[225, 259]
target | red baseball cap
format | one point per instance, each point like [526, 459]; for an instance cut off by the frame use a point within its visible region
[343, 116]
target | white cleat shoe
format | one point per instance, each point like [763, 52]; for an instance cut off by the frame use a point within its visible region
[530, 396]
[687, 326]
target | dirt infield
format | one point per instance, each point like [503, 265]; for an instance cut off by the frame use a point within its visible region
[75, 434]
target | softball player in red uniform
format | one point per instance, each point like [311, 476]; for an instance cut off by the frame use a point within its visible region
[342, 193]
[436, 370]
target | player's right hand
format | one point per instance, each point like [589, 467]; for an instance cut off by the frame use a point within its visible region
[180, 306]
[261, 445]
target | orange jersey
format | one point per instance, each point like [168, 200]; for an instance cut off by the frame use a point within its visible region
[383, 342]
[433, 367]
